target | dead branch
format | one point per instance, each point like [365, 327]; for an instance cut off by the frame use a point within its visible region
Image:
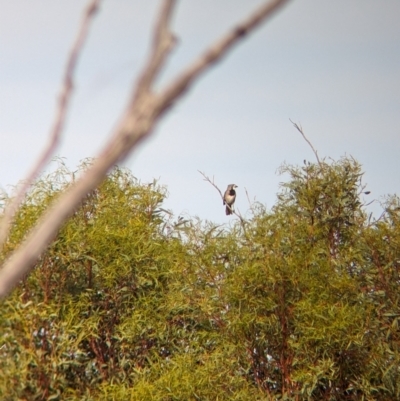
[300, 129]
[163, 42]
[251, 204]
[58, 124]
[236, 213]
[212, 183]
[143, 112]
[216, 51]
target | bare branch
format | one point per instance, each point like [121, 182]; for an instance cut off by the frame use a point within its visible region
[163, 42]
[236, 213]
[215, 52]
[139, 120]
[251, 205]
[212, 183]
[58, 125]
[300, 129]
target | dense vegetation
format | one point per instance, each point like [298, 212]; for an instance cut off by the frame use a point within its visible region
[300, 302]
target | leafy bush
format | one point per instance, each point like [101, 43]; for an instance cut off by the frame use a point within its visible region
[300, 302]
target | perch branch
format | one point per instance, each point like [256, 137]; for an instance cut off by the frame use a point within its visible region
[206, 178]
[212, 183]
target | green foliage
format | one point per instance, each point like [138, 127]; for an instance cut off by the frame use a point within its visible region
[300, 302]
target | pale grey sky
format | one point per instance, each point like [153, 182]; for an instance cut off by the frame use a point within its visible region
[332, 66]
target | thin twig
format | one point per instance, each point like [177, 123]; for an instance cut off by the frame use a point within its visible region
[212, 183]
[300, 129]
[143, 112]
[248, 200]
[58, 124]
[236, 213]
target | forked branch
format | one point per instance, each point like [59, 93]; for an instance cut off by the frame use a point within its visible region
[139, 120]
[206, 178]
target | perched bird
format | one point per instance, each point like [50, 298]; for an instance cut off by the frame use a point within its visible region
[229, 198]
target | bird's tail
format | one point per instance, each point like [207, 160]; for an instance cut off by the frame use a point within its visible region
[228, 211]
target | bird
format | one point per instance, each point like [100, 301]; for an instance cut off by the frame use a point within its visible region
[229, 198]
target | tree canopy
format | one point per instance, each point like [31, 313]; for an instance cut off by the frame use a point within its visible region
[300, 302]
